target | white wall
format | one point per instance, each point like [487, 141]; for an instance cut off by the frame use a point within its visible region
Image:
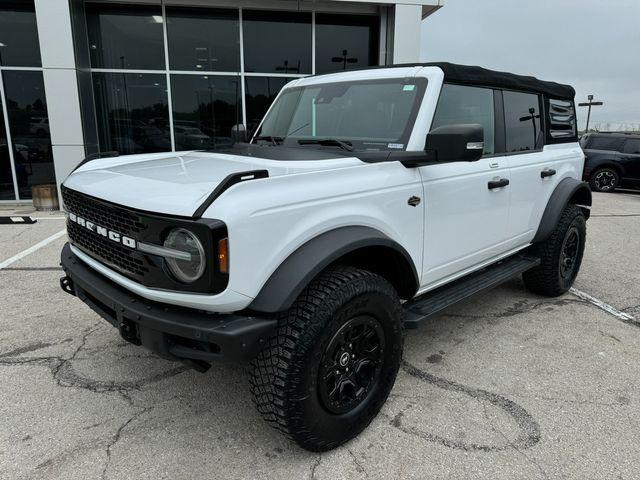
[60, 84]
[406, 33]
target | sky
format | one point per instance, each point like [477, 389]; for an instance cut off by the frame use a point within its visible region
[593, 45]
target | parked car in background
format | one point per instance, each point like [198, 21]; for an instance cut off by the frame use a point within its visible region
[612, 160]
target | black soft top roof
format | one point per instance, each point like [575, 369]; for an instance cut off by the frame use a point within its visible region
[473, 75]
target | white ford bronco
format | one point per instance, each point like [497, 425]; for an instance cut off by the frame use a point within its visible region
[365, 203]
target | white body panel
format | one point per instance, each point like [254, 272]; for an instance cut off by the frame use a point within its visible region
[459, 226]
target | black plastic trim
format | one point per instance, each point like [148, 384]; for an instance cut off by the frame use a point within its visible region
[176, 333]
[96, 156]
[226, 184]
[295, 273]
[559, 199]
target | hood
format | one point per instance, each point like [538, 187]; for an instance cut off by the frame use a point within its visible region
[178, 183]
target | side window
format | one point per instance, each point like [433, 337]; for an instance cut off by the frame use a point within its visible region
[523, 129]
[462, 104]
[632, 145]
[605, 143]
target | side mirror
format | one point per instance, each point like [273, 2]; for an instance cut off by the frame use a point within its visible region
[239, 133]
[456, 143]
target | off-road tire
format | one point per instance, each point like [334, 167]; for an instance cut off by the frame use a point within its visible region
[612, 180]
[547, 278]
[284, 377]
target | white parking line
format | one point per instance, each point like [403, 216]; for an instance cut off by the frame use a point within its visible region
[602, 305]
[30, 250]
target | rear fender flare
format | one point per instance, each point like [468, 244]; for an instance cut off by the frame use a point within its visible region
[569, 190]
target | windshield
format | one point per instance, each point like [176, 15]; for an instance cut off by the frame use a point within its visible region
[365, 115]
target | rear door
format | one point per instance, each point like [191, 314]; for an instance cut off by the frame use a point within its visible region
[630, 158]
[465, 219]
[533, 169]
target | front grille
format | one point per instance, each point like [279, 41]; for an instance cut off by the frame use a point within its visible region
[111, 253]
[120, 220]
[111, 217]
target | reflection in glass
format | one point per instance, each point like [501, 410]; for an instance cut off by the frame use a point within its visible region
[346, 42]
[6, 179]
[132, 111]
[203, 39]
[19, 45]
[125, 36]
[29, 126]
[277, 42]
[260, 92]
[205, 108]
[367, 114]
[463, 104]
[523, 128]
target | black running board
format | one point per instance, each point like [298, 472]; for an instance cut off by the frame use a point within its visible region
[421, 308]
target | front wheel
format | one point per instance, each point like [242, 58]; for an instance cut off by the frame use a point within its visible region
[331, 364]
[560, 255]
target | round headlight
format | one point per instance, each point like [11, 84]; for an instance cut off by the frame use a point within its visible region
[187, 271]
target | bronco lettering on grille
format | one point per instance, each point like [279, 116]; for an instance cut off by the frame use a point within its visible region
[102, 231]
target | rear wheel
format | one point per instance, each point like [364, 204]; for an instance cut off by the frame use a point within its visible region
[560, 255]
[333, 360]
[604, 180]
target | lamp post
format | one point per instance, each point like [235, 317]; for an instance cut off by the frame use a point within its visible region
[589, 104]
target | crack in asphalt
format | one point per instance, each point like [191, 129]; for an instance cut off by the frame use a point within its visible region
[359, 467]
[529, 429]
[314, 466]
[497, 429]
[116, 438]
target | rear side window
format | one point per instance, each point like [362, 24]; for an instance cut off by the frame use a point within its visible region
[632, 145]
[523, 128]
[605, 143]
[462, 104]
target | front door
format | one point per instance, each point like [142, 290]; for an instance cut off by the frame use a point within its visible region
[466, 203]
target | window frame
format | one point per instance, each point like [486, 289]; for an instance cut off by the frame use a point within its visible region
[498, 119]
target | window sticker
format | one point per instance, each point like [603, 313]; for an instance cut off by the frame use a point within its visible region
[396, 145]
[408, 88]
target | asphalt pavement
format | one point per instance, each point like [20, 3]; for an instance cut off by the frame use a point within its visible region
[508, 385]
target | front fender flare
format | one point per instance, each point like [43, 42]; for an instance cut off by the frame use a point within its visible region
[303, 265]
[569, 190]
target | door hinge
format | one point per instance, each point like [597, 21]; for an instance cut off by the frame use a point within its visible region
[414, 201]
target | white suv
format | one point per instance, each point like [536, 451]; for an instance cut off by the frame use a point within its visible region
[365, 203]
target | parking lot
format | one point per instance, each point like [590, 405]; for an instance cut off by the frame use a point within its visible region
[508, 385]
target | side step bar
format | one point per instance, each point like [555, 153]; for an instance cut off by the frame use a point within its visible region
[421, 308]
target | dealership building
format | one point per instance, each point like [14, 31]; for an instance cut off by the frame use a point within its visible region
[82, 77]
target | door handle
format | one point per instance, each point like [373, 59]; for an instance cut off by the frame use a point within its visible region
[549, 172]
[503, 182]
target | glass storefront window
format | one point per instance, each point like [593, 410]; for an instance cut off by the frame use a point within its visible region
[203, 39]
[205, 109]
[6, 178]
[29, 127]
[19, 45]
[132, 112]
[346, 42]
[277, 42]
[260, 92]
[125, 36]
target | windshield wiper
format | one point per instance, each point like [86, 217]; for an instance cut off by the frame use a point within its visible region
[329, 142]
[275, 141]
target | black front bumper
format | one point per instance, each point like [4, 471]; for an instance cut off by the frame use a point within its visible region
[174, 333]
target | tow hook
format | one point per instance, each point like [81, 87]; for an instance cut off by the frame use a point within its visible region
[67, 285]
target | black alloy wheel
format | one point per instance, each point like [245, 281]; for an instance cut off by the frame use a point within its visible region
[351, 364]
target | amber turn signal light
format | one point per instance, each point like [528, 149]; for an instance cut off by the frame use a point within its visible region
[223, 255]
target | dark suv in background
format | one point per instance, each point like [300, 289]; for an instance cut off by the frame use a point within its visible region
[611, 160]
